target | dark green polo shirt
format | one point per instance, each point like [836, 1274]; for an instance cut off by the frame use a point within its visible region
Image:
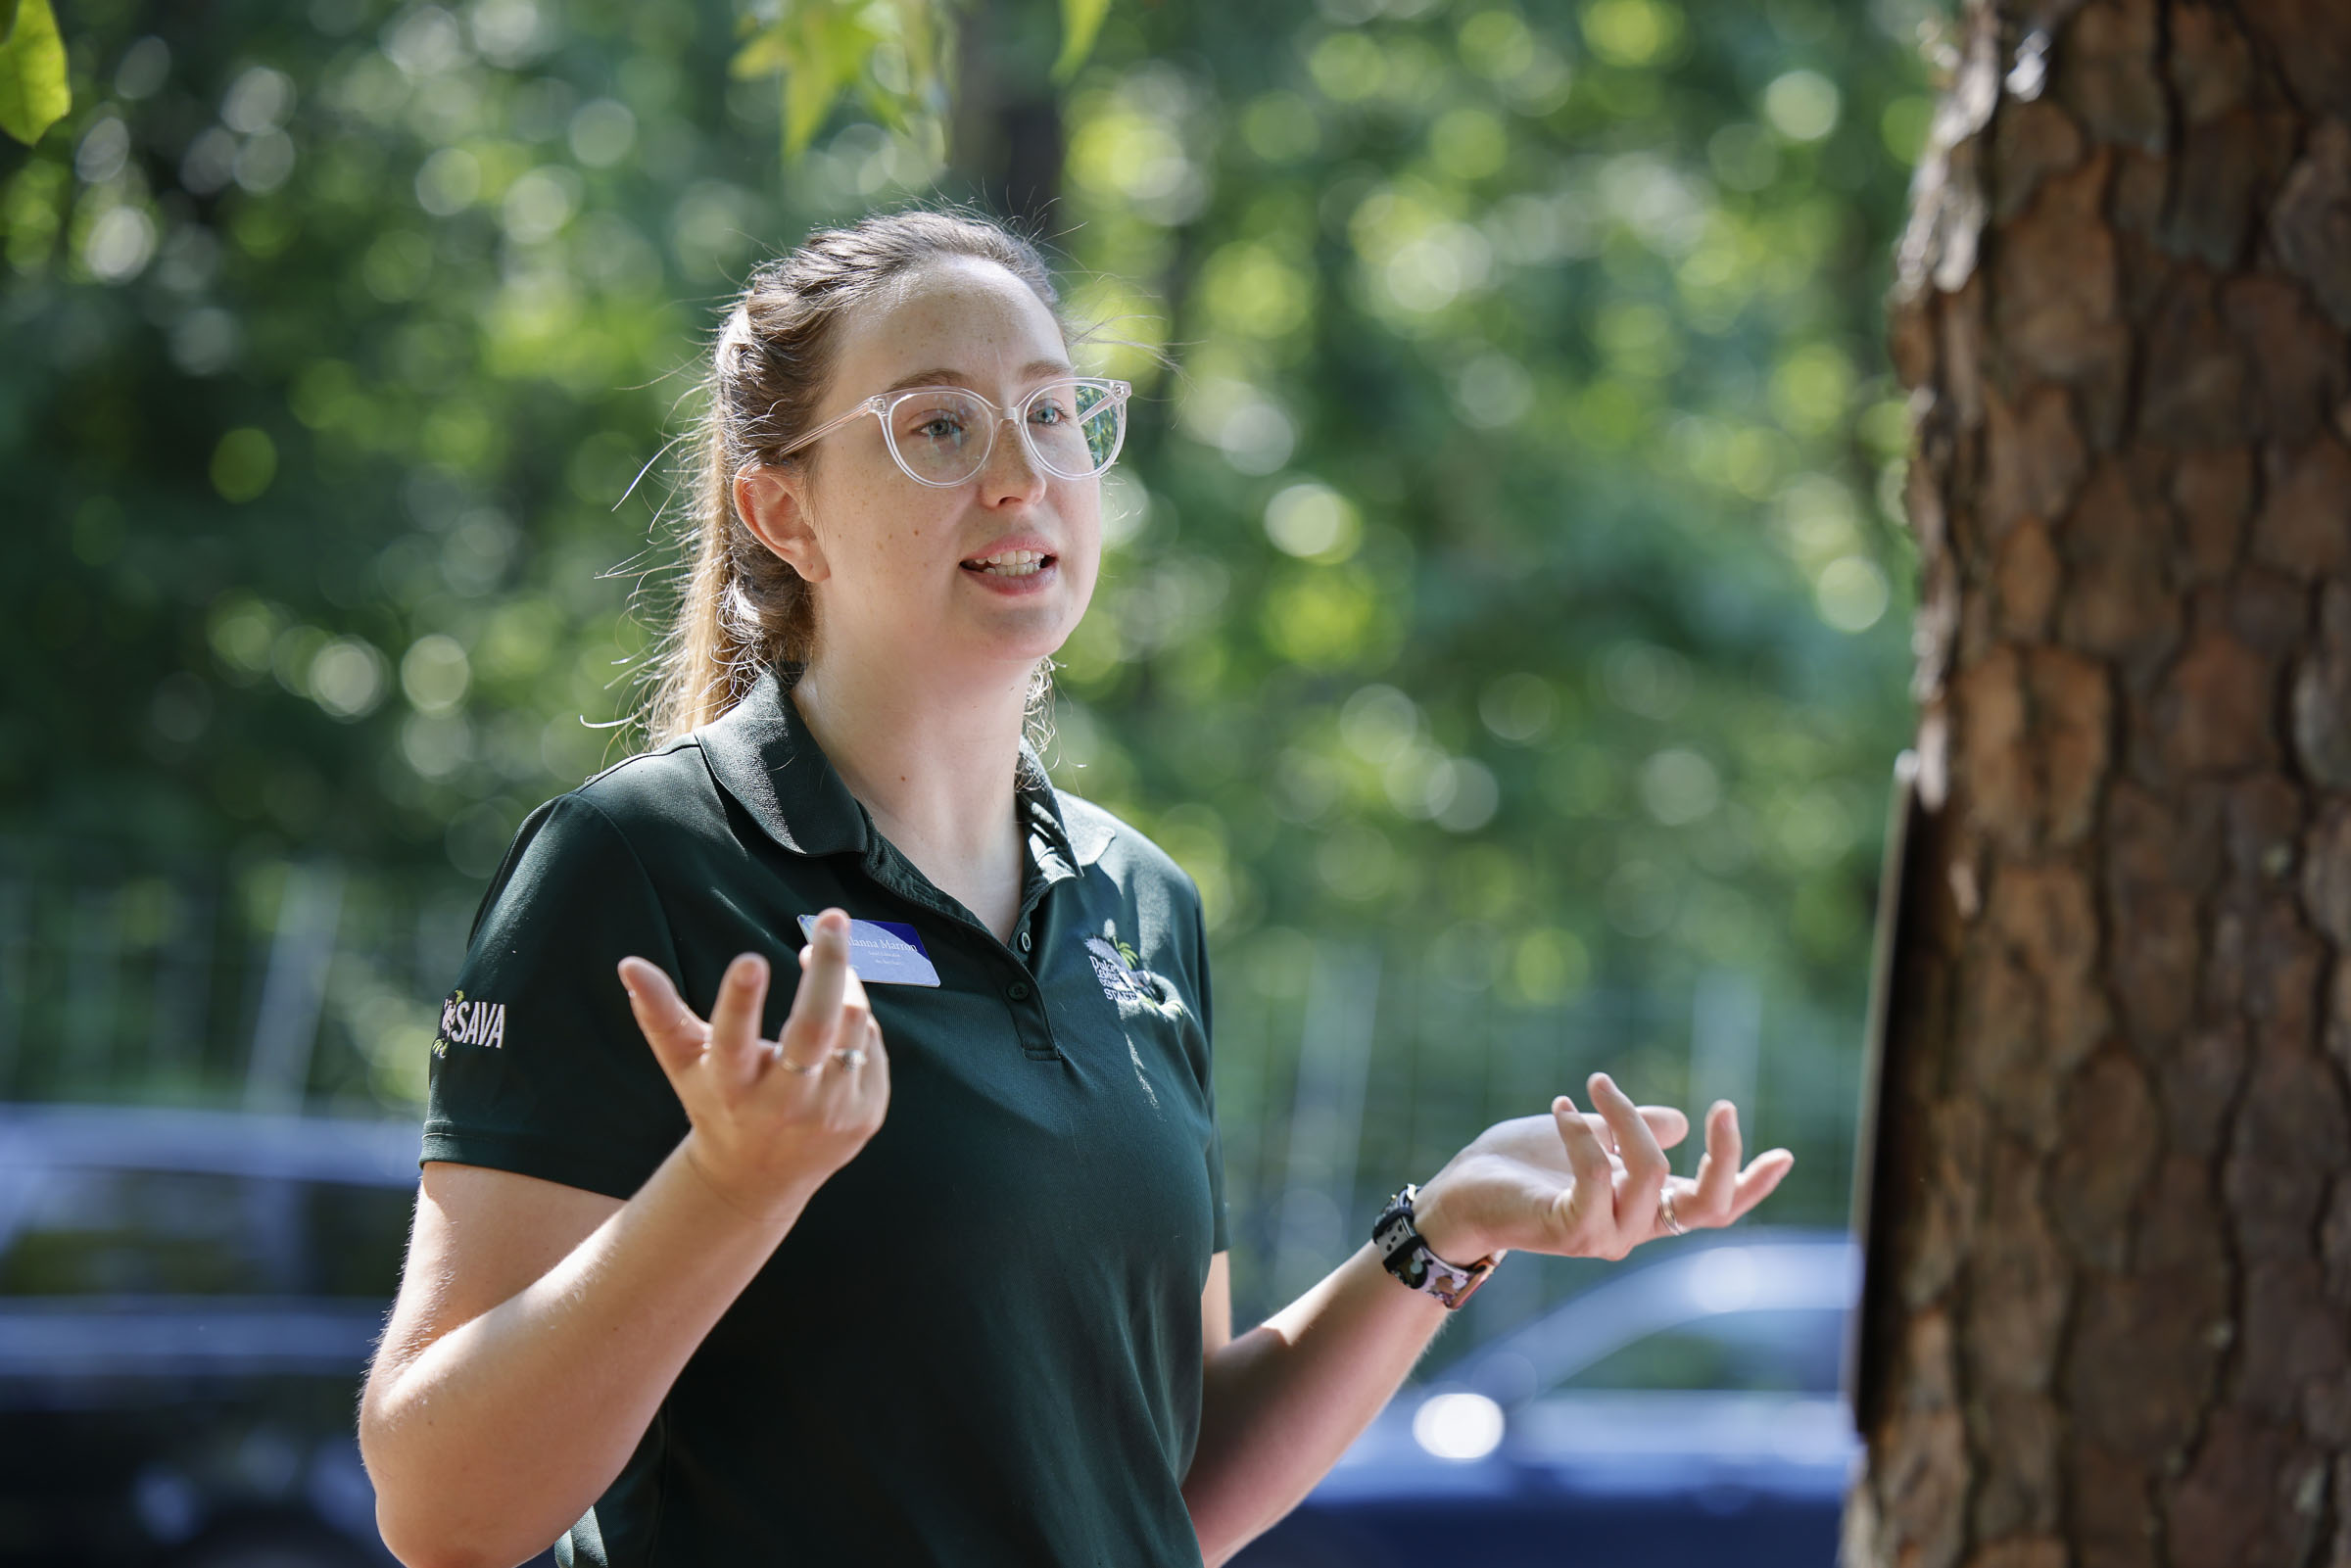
[980, 1343]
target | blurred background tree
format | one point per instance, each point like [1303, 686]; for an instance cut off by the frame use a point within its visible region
[1503, 616]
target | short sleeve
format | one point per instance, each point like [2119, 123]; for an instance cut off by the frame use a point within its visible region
[1222, 1239]
[539, 1067]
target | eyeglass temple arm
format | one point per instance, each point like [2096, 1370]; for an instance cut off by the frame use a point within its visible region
[871, 405]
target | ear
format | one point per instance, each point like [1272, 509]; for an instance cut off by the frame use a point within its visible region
[769, 502]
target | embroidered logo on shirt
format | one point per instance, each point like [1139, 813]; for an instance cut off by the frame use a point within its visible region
[1115, 966]
[464, 1022]
[1135, 988]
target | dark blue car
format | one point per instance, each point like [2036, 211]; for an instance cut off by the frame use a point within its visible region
[1684, 1412]
[188, 1300]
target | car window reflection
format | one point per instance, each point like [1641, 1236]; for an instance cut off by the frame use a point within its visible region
[98, 1232]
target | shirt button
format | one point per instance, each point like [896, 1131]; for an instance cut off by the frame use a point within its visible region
[1018, 990]
[1023, 941]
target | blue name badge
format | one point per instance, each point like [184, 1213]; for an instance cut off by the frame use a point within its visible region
[882, 950]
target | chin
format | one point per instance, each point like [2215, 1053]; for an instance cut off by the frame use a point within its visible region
[1029, 632]
[1015, 644]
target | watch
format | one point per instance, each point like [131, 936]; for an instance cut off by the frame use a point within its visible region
[1405, 1255]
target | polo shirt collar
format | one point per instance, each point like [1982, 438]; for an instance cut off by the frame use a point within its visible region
[761, 752]
[1080, 844]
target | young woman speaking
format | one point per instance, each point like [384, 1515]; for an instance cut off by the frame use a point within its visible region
[918, 1256]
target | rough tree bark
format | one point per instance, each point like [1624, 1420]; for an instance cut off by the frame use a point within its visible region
[2111, 1230]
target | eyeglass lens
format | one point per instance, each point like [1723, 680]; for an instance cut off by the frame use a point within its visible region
[943, 436]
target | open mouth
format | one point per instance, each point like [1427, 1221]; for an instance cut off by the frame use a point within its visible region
[1012, 563]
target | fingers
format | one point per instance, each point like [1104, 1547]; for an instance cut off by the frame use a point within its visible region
[853, 995]
[734, 1018]
[1756, 1181]
[1600, 1131]
[1666, 1124]
[1644, 1165]
[872, 1080]
[669, 1024]
[854, 1040]
[824, 981]
[1718, 1171]
[1586, 1155]
[855, 1025]
[1724, 1193]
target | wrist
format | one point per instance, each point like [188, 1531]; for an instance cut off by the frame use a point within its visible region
[741, 1200]
[1437, 1215]
[1406, 1251]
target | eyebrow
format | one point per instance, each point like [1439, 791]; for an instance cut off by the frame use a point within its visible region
[1034, 369]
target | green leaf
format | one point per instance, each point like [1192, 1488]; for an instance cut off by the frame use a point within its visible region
[1080, 21]
[33, 92]
[824, 48]
[833, 51]
[763, 54]
[813, 78]
[916, 38]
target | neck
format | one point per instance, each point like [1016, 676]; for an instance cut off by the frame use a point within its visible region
[931, 760]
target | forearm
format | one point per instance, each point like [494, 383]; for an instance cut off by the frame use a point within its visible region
[1281, 1402]
[490, 1442]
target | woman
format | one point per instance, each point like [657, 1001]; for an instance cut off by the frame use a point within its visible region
[691, 1278]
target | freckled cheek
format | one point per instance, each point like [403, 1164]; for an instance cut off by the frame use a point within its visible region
[888, 530]
[1086, 541]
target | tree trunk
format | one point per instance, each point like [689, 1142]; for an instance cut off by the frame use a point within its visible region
[1006, 146]
[2110, 1250]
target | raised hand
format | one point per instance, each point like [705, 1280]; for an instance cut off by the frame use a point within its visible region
[1590, 1185]
[771, 1119]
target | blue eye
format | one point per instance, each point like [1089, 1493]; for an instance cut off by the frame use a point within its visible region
[935, 424]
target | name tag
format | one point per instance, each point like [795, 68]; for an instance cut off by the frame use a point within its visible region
[884, 951]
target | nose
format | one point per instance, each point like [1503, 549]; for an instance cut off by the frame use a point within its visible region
[1011, 473]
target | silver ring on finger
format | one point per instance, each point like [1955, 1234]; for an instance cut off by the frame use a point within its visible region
[803, 1068]
[853, 1057]
[1666, 1214]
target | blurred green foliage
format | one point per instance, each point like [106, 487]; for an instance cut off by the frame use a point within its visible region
[35, 91]
[820, 49]
[1510, 582]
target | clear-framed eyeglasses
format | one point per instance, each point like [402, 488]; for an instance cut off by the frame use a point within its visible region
[942, 436]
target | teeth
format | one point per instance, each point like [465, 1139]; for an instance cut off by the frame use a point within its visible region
[1011, 562]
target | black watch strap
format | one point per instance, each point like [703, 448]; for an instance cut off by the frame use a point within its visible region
[1405, 1255]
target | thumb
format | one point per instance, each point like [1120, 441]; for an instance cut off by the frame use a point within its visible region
[670, 1027]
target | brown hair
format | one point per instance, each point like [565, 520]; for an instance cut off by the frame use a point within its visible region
[740, 608]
